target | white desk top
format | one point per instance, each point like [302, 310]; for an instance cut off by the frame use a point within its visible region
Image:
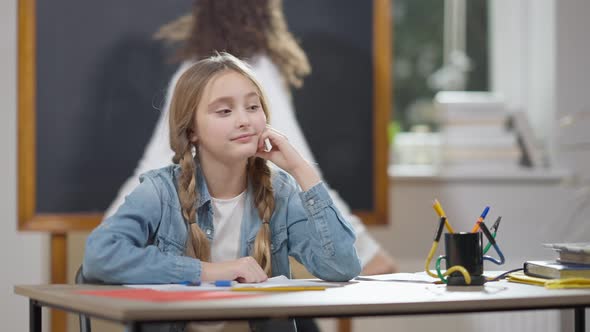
[360, 298]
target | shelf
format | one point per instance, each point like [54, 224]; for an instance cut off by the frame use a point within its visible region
[470, 173]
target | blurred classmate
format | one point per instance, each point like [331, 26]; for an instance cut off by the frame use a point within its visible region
[254, 30]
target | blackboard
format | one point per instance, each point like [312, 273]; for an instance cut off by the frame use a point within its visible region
[100, 79]
[335, 105]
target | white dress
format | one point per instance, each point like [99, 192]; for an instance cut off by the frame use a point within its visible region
[282, 117]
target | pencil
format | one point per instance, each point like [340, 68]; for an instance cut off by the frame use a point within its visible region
[441, 213]
[278, 289]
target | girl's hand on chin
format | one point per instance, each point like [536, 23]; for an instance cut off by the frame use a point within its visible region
[282, 154]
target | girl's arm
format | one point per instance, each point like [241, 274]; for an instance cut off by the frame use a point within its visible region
[318, 236]
[122, 249]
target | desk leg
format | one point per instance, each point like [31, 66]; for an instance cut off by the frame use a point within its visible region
[34, 316]
[133, 327]
[580, 319]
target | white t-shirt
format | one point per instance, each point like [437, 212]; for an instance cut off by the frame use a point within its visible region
[227, 220]
[282, 117]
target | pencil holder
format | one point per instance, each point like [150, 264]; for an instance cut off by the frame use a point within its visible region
[464, 249]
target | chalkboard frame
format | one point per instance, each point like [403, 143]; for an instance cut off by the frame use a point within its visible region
[31, 220]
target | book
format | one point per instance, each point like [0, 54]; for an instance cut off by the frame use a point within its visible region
[556, 270]
[576, 253]
[567, 257]
[574, 247]
[470, 104]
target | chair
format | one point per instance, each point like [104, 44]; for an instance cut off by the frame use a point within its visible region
[84, 320]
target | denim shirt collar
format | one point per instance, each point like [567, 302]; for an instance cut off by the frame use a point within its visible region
[251, 221]
[201, 187]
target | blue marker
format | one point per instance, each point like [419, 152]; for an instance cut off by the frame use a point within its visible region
[190, 283]
[223, 283]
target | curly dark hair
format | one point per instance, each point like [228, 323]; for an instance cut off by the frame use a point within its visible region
[243, 29]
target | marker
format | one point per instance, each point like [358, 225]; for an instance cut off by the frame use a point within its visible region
[190, 283]
[480, 219]
[222, 283]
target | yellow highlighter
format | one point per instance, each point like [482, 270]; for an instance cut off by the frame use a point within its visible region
[441, 213]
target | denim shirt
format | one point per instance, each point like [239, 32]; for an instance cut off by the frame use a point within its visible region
[145, 240]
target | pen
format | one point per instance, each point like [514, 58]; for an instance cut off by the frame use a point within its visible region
[190, 283]
[441, 213]
[494, 230]
[480, 219]
[487, 233]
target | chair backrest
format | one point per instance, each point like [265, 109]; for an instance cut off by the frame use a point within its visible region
[84, 320]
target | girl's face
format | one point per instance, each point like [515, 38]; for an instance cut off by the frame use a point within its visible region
[229, 118]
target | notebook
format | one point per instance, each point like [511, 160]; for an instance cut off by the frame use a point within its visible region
[522, 278]
[556, 270]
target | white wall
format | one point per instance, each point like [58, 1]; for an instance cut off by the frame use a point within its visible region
[23, 256]
[522, 47]
[572, 87]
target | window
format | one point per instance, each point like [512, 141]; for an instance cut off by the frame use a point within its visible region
[438, 45]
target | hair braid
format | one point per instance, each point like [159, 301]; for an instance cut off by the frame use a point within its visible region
[188, 199]
[264, 201]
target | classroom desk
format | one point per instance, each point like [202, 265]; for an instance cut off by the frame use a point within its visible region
[359, 298]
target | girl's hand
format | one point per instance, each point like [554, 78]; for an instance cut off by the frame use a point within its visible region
[244, 269]
[284, 155]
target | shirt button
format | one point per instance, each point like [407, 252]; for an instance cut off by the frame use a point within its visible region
[272, 247]
[311, 202]
[208, 231]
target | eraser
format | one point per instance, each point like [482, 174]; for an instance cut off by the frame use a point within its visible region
[267, 145]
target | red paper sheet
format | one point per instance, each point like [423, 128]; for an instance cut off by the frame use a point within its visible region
[163, 296]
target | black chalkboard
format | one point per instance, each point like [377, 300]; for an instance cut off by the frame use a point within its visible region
[335, 105]
[101, 79]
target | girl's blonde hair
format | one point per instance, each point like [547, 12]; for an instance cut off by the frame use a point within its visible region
[185, 100]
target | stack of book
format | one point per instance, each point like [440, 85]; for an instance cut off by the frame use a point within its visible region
[573, 262]
[475, 130]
